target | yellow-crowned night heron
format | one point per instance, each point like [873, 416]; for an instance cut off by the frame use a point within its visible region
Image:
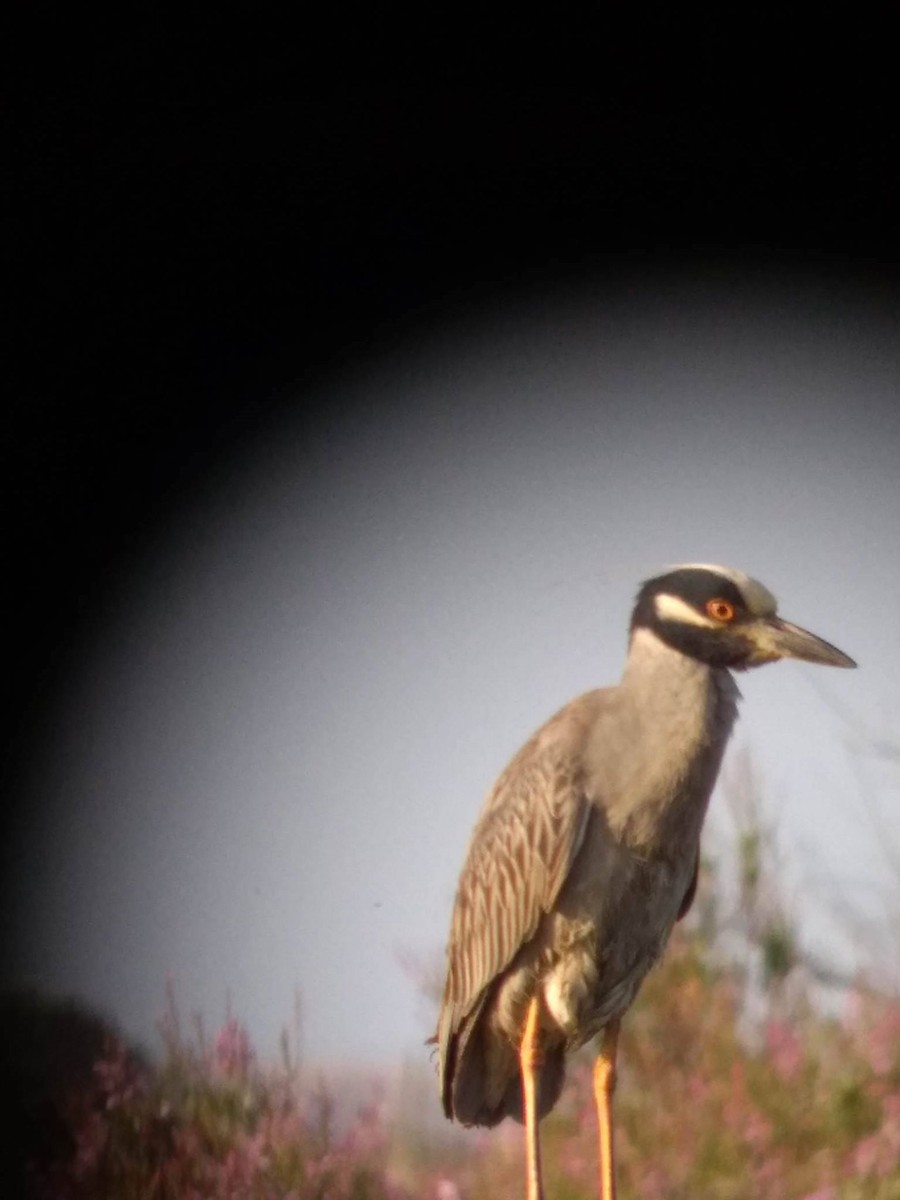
[586, 852]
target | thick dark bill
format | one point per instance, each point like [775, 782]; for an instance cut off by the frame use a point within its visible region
[783, 640]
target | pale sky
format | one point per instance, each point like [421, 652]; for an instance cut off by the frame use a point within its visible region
[263, 775]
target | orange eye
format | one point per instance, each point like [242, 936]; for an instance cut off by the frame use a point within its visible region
[720, 610]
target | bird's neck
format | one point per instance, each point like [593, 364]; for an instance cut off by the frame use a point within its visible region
[663, 681]
[676, 716]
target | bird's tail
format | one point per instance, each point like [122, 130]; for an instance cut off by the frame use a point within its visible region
[483, 1082]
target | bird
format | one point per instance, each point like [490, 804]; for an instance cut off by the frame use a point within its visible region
[586, 854]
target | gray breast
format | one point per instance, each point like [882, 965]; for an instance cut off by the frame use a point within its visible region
[636, 863]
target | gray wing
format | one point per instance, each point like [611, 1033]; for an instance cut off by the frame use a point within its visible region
[520, 854]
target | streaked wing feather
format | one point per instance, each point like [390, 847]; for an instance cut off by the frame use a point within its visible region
[519, 857]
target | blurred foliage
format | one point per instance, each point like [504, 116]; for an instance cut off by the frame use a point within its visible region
[47, 1054]
[734, 1083]
[210, 1121]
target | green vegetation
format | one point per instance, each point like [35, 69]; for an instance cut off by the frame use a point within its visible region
[734, 1084]
[791, 1104]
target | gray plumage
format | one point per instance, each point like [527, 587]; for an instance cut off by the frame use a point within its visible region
[586, 851]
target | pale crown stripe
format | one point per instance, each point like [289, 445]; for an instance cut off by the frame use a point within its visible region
[758, 598]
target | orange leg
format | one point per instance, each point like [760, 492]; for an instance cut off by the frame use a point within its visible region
[530, 1062]
[604, 1085]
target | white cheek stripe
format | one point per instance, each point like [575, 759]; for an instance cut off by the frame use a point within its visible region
[673, 608]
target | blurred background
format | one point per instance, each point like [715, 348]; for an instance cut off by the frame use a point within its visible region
[261, 771]
[341, 431]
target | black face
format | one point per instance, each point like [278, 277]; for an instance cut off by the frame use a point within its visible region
[711, 595]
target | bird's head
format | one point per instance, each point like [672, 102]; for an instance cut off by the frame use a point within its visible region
[724, 618]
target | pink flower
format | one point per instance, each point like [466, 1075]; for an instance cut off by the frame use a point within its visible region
[866, 1156]
[90, 1143]
[785, 1050]
[698, 1088]
[118, 1076]
[757, 1130]
[882, 1046]
[232, 1052]
[446, 1189]
[878, 1154]
[655, 1184]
